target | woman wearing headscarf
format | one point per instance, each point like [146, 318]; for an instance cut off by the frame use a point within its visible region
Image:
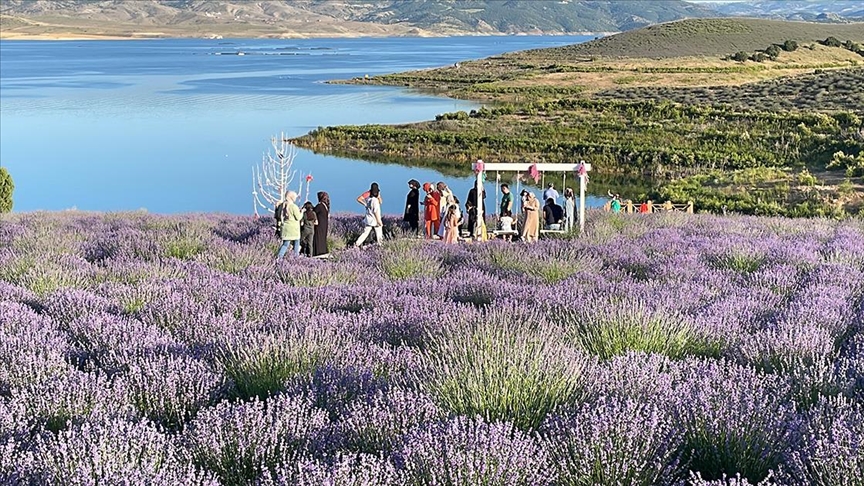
[446, 200]
[412, 206]
[308, 224]
[432, 213]
[531, 231]
[322, 210]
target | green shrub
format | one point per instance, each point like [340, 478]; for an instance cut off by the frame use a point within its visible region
[832, 42]
[805, 178]
[261, 369]
[617, 328]
[740, 56]
[773, 51]
[790, 46]
[505, 367]
[403, 259]
[758, 57]
[6, 189]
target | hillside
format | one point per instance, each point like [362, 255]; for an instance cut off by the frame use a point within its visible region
[707, 37]
[275, 18]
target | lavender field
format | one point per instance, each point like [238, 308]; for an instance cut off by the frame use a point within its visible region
[659, 349]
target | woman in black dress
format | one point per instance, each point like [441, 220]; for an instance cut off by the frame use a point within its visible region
[322, 210]
[412, 206]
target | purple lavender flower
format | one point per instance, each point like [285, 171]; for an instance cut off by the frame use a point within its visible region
[242, 442]
[832, 449]
[471, 451]
[111, 452]
[614, 441]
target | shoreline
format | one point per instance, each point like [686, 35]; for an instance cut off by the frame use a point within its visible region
[68, 36]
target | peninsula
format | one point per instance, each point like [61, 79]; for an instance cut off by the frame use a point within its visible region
[744, 115]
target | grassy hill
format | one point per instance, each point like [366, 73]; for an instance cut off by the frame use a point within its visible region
[191, 18]
[706, 37]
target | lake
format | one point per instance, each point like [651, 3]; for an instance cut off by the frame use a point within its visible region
[176, 125]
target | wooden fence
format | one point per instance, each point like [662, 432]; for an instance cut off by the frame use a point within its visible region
[649, 207]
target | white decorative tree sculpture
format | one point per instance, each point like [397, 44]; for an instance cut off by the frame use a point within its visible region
[271, 179]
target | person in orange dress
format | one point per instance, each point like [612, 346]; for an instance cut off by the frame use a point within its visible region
[432, 213]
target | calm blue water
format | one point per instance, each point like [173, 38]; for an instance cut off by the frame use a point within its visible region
[177, 125]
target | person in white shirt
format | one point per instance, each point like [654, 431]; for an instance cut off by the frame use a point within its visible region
[550, 193]
[373, 219]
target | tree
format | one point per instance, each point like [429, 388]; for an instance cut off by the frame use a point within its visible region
[832, 42]
[790, 46]
[740, 56]
[6, 189]
[271, 179]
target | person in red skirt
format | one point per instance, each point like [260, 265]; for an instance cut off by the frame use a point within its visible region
[432, 214]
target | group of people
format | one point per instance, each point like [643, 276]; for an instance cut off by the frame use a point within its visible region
[442, 215]
[303, 228]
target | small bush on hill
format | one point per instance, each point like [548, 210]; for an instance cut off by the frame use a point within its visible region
[790, 46]
[759, 57]
[740, 56]
[831, 42]
[6, 189]
[773, 51]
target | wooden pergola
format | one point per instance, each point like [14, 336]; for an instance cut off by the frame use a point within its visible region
[580, 170]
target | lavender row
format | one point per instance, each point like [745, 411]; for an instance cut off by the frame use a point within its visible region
[661, 349]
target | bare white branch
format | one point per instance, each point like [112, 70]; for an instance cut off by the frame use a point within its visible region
[272, 178]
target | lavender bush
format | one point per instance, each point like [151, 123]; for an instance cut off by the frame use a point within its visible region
[655, 349]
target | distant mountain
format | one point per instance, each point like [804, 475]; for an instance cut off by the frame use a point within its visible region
[837, 11]
[330, 17]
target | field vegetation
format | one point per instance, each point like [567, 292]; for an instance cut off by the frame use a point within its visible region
[662, 349]
[690, 121]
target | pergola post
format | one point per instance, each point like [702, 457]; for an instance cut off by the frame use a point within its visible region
[478, 223]
[582, 185]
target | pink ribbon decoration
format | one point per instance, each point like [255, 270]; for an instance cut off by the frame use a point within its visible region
[479, 166]
[582, 171]
[534, 173]
[308, 180]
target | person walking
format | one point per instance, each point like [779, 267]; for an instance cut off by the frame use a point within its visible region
[531, 231]
[308, 224]
[432, 213]
[373, 218]
[361, 199]
[290, 227]
[322, 212]
[412, 207]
